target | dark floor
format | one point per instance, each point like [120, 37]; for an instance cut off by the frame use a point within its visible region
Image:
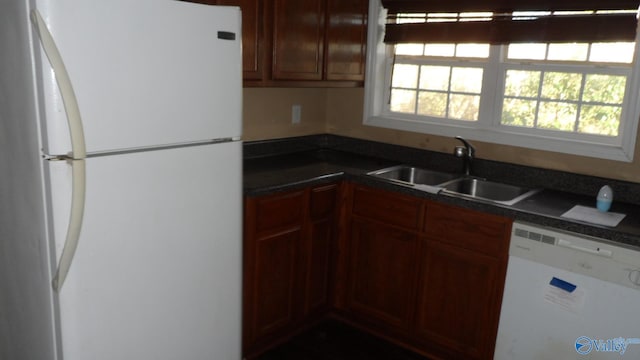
[333, 340]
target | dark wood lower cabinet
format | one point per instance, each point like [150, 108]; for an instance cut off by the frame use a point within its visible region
[426, 275]
[275, 260]
[319, 246]
[317, 272]
[272, 248]
[458, 290]
[288, 242]
[382, 274]
[462, 278]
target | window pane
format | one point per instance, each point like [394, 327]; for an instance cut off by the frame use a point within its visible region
[405, 76]
[527, 51]
[403, 101]
[434, 77]
[476, 16]
[411, 18]
[528, 15]
[557, 116]
[561, 86]
[518, 112]
[522, 83]
[432, 104]
[600, 120]
[409, 49]
[472, 50]
[604, 88]
[447, 50]
[568, 52]
[466, 80]
[442, 17]
[464, 107]
[621, 52]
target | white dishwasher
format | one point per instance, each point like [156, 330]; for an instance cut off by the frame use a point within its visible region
[568, 296]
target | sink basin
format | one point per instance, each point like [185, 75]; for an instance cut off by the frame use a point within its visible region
[488, 190]
[453, 184]
[410, 175]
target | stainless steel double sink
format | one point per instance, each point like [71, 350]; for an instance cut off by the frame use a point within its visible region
[455, 184]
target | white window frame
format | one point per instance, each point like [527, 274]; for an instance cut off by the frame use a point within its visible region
[488, 128]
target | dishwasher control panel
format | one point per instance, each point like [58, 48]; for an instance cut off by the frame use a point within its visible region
[576, 253]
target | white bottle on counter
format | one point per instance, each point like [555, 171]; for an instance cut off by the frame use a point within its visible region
[604, 198]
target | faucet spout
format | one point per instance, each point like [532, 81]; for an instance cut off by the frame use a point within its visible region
[467, 152]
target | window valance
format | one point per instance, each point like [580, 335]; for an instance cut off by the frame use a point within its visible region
[504, 21]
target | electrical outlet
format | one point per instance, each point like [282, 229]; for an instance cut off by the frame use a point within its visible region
[296, 114]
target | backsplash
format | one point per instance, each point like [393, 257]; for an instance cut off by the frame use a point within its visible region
[627, 192]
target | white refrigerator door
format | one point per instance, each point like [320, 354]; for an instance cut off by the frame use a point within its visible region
[157, 272]
[145, 72]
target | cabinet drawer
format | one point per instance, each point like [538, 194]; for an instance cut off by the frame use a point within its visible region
[279, 211]
[390, 208]
[484, 233]
[323, 201]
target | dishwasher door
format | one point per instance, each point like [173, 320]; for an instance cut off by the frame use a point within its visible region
[568, 297]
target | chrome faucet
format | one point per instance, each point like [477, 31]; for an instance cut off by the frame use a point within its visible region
[467, 152]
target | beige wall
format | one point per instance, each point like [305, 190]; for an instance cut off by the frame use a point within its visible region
[267, 112]
[339, 111]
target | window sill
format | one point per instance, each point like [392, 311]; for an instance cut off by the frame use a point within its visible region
[504, 137]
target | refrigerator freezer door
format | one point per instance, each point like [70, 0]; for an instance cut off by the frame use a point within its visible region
[145, 72]
[157, 271]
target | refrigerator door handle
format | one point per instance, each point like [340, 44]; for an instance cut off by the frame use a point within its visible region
[76, 131]
[75, 223]
[78, 149]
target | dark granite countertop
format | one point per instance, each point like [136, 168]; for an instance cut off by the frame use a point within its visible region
[288, 171]
[268, 172]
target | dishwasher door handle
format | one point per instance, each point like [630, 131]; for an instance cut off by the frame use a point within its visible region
[595, 251]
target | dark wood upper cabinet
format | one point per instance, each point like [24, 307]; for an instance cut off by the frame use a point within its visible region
[311, 43]
[253, 41]
[346, 39]
[298, 39]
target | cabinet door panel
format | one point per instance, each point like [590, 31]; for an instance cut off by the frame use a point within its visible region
[275, 282]
[252, 36]
[383, 273]
[318, 252]
[288, 243]
[323, 200]
[477, 231]
[279, 211]
[346, 39]
[298, 39]
[319, 244]
[388, 207]
[458, 294]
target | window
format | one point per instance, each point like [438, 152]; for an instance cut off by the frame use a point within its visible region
[578, 97]
[425, 84]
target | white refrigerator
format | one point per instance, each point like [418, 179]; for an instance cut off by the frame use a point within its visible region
[120, 180]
